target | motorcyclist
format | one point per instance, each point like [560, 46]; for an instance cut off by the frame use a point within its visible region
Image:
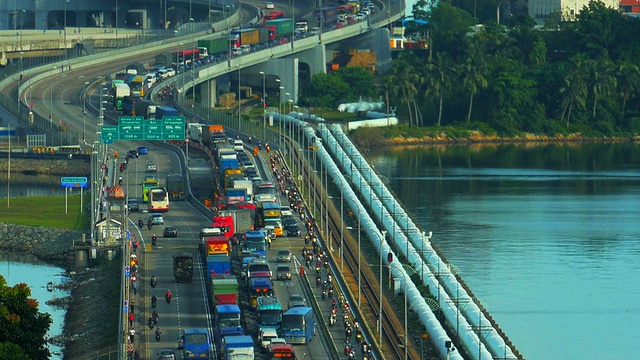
[167, 296]
[153, 282]
[155, 317]
[154, 240]
[140, 223]
[154, 299]
[158, 332]
[120, 180]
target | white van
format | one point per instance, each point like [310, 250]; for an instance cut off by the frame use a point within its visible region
[238, 145]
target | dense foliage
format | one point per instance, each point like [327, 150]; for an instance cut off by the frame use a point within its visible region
[566, 77]
[22, 327]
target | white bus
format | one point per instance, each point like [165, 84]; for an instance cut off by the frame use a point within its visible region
[158, 200]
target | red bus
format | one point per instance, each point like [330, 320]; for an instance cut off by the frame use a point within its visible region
[272, 15]
[185, 56]
[346, 9]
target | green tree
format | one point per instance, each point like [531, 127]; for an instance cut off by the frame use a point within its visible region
[21, 323]
[603, 82]
[438, 79]
[472, 73]
[450, 27]
[359, 80]
[628, 82]
[574, 92]
[328, 90]
[601, 29]
[407, 81]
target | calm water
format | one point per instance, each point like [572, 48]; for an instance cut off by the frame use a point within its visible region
[547, 237]
[36, 274]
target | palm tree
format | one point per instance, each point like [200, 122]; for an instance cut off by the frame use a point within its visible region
[473, 78]
[575, 89]
[629, 83]
[405, 79]
[438, 79]
[604, 83]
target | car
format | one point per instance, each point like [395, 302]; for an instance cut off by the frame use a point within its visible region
[132, 154]
[360, 16]
[251, 173]
[171, 72]
[245, 162]
[286, 211]
[293, 230]
[133, 205]
[340, 25]
[283, 256]
[170, 231]
[157, 219]
[142, 150]
[296, 300]
[151, 166]
[269, 5]
[167, 355]
[283, 272]
[289, 220]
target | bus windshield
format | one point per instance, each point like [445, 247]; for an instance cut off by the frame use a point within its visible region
[158, 195]
[293, 322]
[254, 245]
[196, 339]
[269, 317]
[259, 267]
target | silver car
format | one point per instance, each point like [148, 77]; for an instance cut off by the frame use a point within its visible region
[283, 256]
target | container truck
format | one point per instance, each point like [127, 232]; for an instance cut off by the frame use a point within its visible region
[244, 184]
[238, 347]
[224, 149]
[162, 111]
[329, 14]
[282, 27]
[224, 289]
[237, 38]
[229, 163]
[235, 195]
[145, 108]
[120, 91]
[217, 244]
[242, 219]
[195, 132]
[214, 46]
[183, 267]
[218, 264]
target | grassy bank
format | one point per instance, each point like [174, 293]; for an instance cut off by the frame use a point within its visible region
[46, 211]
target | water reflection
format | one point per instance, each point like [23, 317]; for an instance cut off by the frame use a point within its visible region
[19, 268]
[31, 186]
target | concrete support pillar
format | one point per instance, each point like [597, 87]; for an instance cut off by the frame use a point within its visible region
[208, 91]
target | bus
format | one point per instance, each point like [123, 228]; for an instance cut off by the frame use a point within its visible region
[269, 311]
[259, 286]
[227, 321]
[183, 57]
[158, 200]
[149, 183]
[269, 213]
[273, 15]
[175, 187]
[254, 243]
[196, 343]
[298, 325]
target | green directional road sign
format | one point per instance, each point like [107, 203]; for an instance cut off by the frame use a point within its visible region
[130, 120]
[173, 127]
[110, 133]
[153, 130]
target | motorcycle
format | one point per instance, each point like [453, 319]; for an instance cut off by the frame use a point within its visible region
[318, 281]
[150, 323]
[153, 281]
[154, 240]
[332, 320]
[352, 354]
[140, 223]
[154, 300]
[167, 297]
[158, 332]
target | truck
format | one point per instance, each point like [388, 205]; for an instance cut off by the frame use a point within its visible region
[244, 184]
[229, 163]
[222, 149]
[183, 267]
[241, 220]
[145, 108]
[224, 289]
[162, 111]
[235, 195]
[214, 46]
[119, 91]
[217, 244]
[136, 84]
[195, 131]
[175, 187]
[282, 27]
[237, 38]
[218, 264]
[162, 61]
[237, 347]
[229, 175]
[329, 14]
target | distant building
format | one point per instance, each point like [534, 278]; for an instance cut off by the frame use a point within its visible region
[541, 9]
[630, 6]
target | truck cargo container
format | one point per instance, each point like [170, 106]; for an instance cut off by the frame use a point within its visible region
[119, 91]
[328, 14]
[283, 27]
[238, 347]
[218, 244]
[183, 267]
[244, 184]
[214, 46]
[235, 195]
[237, 38]
[228, 164]
[218, 265]
[224, 289]
[162, 111]
[241, 220]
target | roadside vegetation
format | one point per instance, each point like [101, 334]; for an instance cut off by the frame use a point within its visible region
[568, 77]
[47, 211]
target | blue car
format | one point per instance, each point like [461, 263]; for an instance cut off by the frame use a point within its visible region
[142, 150]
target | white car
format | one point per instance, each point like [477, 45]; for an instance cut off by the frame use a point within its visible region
[157, 219]
[269, 5]
[360, 16]
[171, 72]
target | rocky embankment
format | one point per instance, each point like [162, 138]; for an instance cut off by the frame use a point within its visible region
[91, 321]
[75, 166]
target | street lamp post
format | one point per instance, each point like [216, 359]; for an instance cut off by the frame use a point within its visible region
[84, 110]
[384, 235]
[51, 96]
[239, 102]
[65, 29]
[359, 253]
[341, 226]
[264, 107]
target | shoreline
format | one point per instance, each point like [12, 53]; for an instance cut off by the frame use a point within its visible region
[91, 310]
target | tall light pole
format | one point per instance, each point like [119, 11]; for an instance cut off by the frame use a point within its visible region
[264, 106]
[341, 226]
[84, 110]
[51, 96]
[165, 19]
[65, 29]
[239, 102]
[382, 241]
[359, 253]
